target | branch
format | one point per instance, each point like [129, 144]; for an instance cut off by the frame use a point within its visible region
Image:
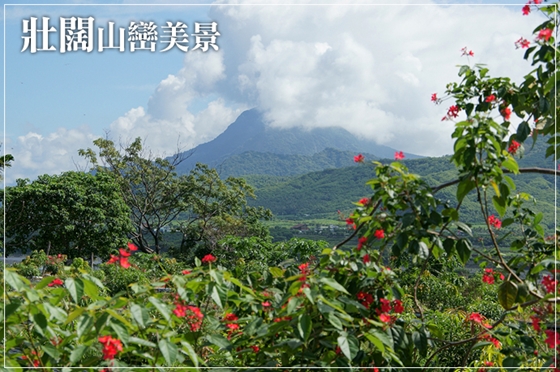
[552, 172]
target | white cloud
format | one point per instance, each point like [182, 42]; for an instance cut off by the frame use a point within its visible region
[36, 154]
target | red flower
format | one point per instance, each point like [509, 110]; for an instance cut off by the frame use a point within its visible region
[552, 338]
[56, 282]
[453, 111]
[361, 242]
[231, 317]
[494, 221]
[232, 326]
[180, 310]
[512, 149]
[266, 304]
[490, 98]
[434, 97]
[475, 317]
[465, 53]
[185, 272]
[113, 259]
[123, 261]
[386, 318]
[366, 259]
[304, 268]
[399, 155]
[359, 158]
[491, 339]
[549, 284]
[124, 252]
[506, 113]
[526, 9]
[385, 305]
[522, 43]
[398, 306]
[545, 34]
[488, 276]
[255, 348]
[363, 201]
[337, 350]
[111, 346]
[349, 221]
[132, 247]
[365, 298]
[535, 323]
[208, 258]
[379, 234]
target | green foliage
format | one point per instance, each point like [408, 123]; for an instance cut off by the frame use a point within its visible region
[76, 214]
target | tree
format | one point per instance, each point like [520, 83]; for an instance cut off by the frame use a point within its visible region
[207, 207]
[76, 214]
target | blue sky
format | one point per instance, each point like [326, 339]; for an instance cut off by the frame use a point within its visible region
[367, 67]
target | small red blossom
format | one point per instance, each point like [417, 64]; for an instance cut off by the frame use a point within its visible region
[385, 318]
[535, 322]
[526, 9]
[35, 363]
[304, 268]
[359, 158]
[490, 98]
[399, 155]
[552, 338]
[385, 305]
[124, 253]
[549, 284]
[434, 97]
[232, 326]
[366, 259]
[491, 339]
[495, 222]
[379, 234]
[231, 317]
[488, 276]
[255, 348]
[208, 258]
[545, 34]
[365, 298]
[266, 304]
[453, 111]
[398, 306]
[111, 346]
[361, 242]
[363, 201]
[522, 43]
[180, 310]
[465, 53]
[349, 221]
[513, 147]
[185, 272]
[506, 113]
[132, 247]
[56, 282]
[337, 350]
[123, 261]
[113, 259]
[475, 317]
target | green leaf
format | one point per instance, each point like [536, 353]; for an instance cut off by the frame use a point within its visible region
[349, 345]
[511, 165]
[304, 326]
[464, 250]
[140, 341]
[75, 287]
[276, 272]
[15, 281]
[499, 205]
[161, 307]
[423, 251]
[140, 315]
[421, 342]
[84, 325]
[11, 308]
[507, 293]
[376, 342]
[77, 354]
[168, 350]
[52, 351]
[188, 349]
[464, 187]
[74, 314]
[333, 284]
[120, 330]
[333, 319]
[219, 341]
[523, 131]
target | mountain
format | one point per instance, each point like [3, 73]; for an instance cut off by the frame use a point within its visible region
[249, 133]
[324, 192]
